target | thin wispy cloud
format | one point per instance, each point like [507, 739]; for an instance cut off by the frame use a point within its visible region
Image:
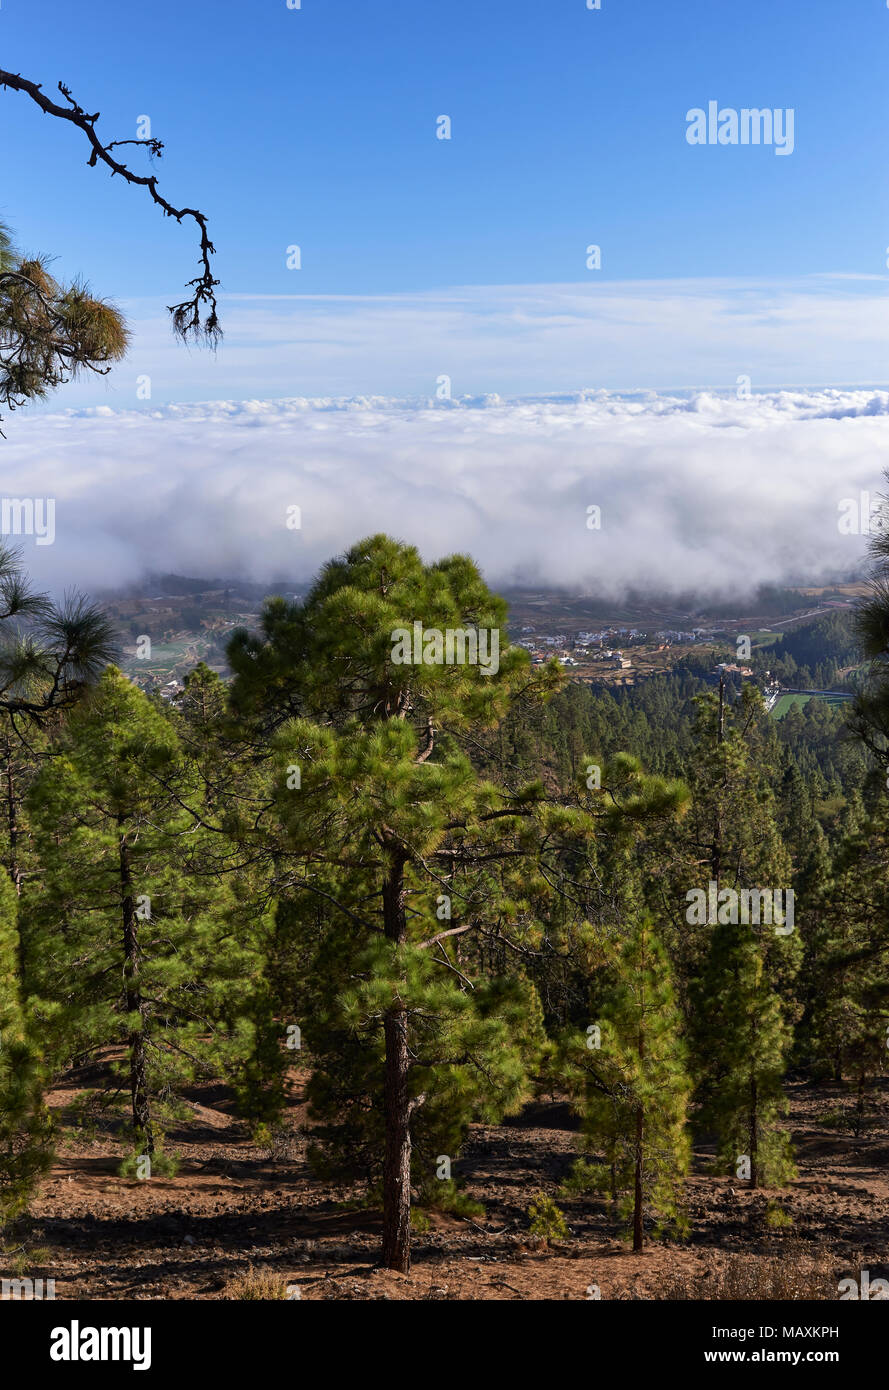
[514, 340]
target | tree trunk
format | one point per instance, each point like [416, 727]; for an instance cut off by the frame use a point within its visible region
[397, 1160]
[754, 1133]
[12, 816]
[639, 1184]
[716, 848]
[134, 1003]
[859, 1108]
[397, 1104]
[638, 1229]
[15, 872]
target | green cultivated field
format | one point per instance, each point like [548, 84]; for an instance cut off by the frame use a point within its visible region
[788, 701]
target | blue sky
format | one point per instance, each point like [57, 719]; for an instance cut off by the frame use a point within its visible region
[317, 127]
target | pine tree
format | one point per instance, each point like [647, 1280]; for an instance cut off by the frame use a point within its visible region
[384, 820]
[49, 331]
[797, 818]
[406, 1045]
[25, 1127]
[729, 845]
[432, 888]
[22, 751]
[846, 1023]
[633, 1089]
[228, 794]
[49, 656]
[742, 1043]
[130, 935]
[737, 948]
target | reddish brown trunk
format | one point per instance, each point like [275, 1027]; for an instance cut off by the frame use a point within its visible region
[134, 1004]
[13, 824]
[638, 1194]
[754, 1133]
[397, 1160]
[397, 1104]
[639, 1176]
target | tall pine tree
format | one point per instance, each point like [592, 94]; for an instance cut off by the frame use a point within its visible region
[129, 941]
[629, 1077]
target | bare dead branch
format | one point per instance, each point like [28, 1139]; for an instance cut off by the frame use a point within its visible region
[453, 931]
[196, 318]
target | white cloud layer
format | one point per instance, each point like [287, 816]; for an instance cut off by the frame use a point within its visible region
[700, 492]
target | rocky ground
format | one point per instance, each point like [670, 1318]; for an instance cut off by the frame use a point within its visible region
[236, 1214]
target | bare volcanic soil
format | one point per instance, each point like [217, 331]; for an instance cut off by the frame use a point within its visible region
[235, 1211]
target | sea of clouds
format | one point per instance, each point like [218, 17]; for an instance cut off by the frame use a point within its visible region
[697, 491]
